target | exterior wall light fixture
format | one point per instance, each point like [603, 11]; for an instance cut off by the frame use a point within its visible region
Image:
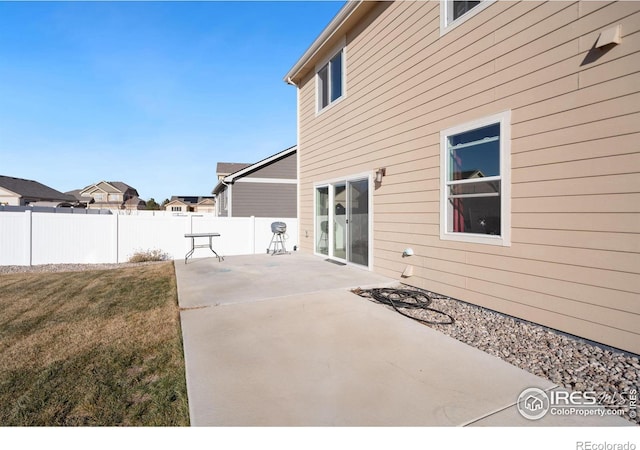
[380, 173]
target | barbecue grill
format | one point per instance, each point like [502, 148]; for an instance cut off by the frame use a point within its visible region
[277, 240]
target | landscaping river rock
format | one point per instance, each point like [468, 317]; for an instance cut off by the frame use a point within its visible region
[568, 361]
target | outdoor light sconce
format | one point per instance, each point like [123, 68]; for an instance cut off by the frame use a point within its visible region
[380, 173]
[407, 252]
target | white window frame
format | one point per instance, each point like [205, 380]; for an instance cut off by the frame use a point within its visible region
[447, 23]
[504, 239]
[341, 47]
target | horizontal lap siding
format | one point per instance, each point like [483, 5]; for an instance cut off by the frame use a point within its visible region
[284, 168]
[264, 200]
[574, 261]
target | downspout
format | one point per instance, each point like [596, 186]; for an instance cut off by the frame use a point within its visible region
[289, 81]
[229, 196]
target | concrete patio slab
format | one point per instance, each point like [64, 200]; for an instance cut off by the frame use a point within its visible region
[263, 348]
[250, 278]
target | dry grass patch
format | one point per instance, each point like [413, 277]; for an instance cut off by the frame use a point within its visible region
[99, 347]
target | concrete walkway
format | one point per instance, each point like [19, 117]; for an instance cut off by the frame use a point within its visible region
[280, 340]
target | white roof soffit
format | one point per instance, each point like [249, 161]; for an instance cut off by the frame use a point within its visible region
[334, 26]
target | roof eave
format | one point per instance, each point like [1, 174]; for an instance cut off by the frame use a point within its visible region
[216, 190]
[231, 178]
[334, 28]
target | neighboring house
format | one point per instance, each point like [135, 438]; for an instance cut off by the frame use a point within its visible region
[207, 205]
[267, 188]
[497, 140]
[81, 202]
[21, 192]
[177, 206]
[112, 195]
[182, 204]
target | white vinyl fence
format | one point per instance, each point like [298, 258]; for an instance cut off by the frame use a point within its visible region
[32, 238]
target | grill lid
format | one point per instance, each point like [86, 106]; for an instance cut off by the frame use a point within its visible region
[278, 227]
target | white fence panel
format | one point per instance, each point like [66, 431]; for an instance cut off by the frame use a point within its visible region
[73, 238]
[142, 233]
[15, 235]
[236, 234]
[158, 213]
[45, 238]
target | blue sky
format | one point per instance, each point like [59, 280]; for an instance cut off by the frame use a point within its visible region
[154, 94]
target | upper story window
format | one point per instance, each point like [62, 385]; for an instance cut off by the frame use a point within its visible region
[330, 80]
[475, 172]
[114, 197]
[459, 8]
[99, 197]
[455, 12]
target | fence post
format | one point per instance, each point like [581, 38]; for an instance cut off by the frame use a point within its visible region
[29, 236]
[253, 234]
[116, 227]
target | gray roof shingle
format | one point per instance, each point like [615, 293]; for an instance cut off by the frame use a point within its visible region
[33, 190]
[224, 168]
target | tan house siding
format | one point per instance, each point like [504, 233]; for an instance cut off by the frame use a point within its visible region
[9, 198]
[574, 259]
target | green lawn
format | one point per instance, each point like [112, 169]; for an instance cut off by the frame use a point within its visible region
[101, 348]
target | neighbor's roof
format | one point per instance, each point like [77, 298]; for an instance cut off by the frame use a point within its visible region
[76, 193]
[32, 189]
[123, 187]
[224, 168]
[346, 18]
[232, 176]
[135, 201]
[111, 186]
[190, 199]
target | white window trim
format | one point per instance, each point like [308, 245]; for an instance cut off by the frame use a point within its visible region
[504, 119]
[342, 45]
[447, 25]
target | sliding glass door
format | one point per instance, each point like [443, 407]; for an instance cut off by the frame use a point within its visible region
[358, 222]
[322, 220]
[339, 221]
[342, 220]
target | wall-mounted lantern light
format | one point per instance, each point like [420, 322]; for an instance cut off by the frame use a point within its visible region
[380, 173]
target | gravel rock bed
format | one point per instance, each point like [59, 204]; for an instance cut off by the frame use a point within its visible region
[565, 360]
[4, 270]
